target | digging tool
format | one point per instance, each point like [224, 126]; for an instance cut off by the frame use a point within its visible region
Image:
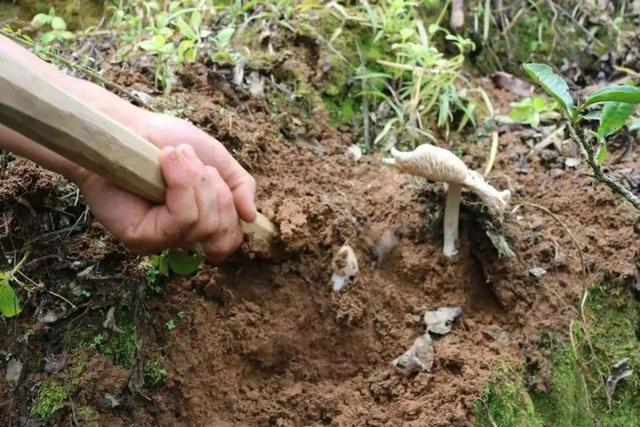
[32, 106]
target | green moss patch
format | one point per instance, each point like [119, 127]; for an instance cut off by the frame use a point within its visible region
[576, 394]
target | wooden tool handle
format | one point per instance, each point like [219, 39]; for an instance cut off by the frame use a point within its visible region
[32, 106]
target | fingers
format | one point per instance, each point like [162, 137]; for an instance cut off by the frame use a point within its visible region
[229, 234]
[162, 131]
[199, 207]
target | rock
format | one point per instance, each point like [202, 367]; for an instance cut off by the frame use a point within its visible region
[556, 173]
[14, 371]
[441, 320]
[52, 366]
[110, 401]
[355, 152]
[537, 272]
[49, 316]
[572, 162]
[419, 358]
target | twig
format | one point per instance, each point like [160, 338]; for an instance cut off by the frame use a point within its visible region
[559, 221]
[486, 407]
[588, 153]
[89, 73]
[587, 398]
[492, 153]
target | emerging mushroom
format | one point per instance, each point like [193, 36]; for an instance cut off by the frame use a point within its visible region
[437, 164]
[345, 267]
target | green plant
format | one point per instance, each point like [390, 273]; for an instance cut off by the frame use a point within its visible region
[171, 325]
[415, 80]
[618, 104]
[55, 26]
[9, 304]
[178, 262]
[532, 110]
[52, 397]
[154, 372]
[172, 33]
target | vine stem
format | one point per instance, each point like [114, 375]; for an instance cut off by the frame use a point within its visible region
[588, 153]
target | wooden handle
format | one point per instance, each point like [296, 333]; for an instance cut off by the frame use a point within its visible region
[32, 106]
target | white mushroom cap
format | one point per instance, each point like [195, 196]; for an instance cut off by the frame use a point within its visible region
[430, 162]
[438, 164]
[345, 267]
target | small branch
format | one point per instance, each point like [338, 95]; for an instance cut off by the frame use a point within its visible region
[590, 156]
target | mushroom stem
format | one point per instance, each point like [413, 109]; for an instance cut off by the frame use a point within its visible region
[451, 219]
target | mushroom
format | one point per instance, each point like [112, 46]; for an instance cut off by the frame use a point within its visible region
[437, 164]
[345, 267]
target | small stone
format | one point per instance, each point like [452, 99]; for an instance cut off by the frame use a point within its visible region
[109, 401]
[419, 358]
[355, 152]
[14, 371]
[571, 162]
[537, 272]
[556, 173]
[441, 320]
[49, 317]
[52, 366]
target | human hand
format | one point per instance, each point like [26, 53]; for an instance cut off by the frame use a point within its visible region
[203, 202]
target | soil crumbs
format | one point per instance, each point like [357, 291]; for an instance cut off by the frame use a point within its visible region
[263, 341]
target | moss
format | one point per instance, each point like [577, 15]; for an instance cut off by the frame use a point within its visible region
[87, 415]
[52, 397]
[505, 402]
[120, 347]
[154, 372]
[575, 395]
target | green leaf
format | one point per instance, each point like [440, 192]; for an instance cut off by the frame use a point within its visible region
[224, 36]
[153, 44]
[629, 94]
[614, 116]
[47, 38]
[162, 20]
[58, 24]
[9, 304]
[40, 20]
[592, 115]
[182, 263]
[183, 48]
[163, 265]
[552, 83]
[196, 20]
[185, 29]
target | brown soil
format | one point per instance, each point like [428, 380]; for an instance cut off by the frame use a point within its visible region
[264, 342]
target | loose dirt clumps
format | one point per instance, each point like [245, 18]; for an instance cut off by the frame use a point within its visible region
[264, 341]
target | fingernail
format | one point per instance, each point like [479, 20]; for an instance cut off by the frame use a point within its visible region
[169, 151]
[187, 151]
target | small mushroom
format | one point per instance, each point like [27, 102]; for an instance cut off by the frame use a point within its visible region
[419, 358]
[437, 164]
[345, 267]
